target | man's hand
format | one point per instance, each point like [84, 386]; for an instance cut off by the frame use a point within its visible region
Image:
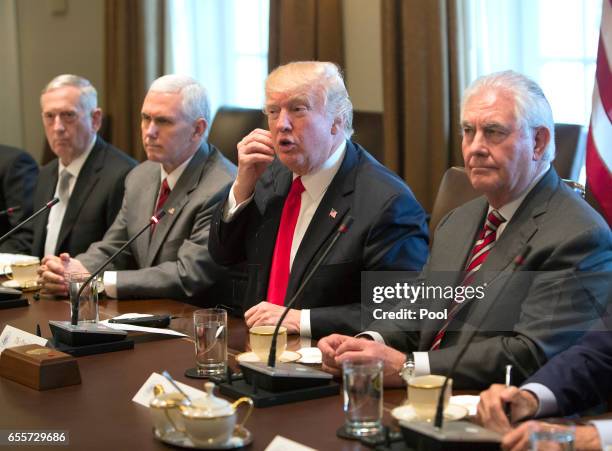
[587, 437]
[338, 348]
[268, 314]
[255, 153]
[491, 414]
[52, 272]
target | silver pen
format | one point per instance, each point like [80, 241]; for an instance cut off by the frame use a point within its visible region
[507, 408]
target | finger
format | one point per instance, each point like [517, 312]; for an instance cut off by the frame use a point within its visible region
[354, 344]
[250, 312]
[331, 369]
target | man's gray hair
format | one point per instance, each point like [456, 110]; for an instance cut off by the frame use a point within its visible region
[531, 108]
[326, 76]
[195, 98]
[88, 94]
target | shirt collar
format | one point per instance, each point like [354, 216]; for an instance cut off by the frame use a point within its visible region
[76, 165]
[508, 210]
[316, 183]
[173, 177]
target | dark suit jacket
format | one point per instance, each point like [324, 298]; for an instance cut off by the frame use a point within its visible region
[173, 262]
[94, 202]
[581, 377]
[18, 172]
[538, 314]
[389, 233]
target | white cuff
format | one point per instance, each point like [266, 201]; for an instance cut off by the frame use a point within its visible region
[547, 403]
[110, 283]
[231, 209]
[421, 363]
[305, 330]
[378, 338]
[604, 429]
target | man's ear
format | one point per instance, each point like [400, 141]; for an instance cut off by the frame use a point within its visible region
[200, 128]
[96, 119]
[541, 138]
[336, 126]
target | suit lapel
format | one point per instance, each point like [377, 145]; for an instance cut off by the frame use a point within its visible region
[86, 181]
[48, 180]
[337, 197]
[178, 198]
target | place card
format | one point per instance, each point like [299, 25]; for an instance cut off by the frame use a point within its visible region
[280, 443]
[145, 394]
[11, 337]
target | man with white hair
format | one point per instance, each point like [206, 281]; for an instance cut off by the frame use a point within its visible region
[296, 185]
[523, 318]
[184, 175]
[87, 175]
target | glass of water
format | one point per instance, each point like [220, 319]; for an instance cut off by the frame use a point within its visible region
[557, 435]
[363, 396]
[87, 303]
[210, 328]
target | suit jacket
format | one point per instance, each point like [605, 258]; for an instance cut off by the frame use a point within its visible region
[389, 232]
[94, 202]
[173, 262]
[581, 376]
[18, 172]
[539, 312]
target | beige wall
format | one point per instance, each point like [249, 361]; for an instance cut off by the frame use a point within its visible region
[363, 58]
[50, 44]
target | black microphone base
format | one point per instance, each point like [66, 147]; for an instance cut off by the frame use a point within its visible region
[12, 303]
[87, 339]
[454, 435]
[265, 398]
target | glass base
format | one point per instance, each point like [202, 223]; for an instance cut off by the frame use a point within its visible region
[211, 369]
[362, 428]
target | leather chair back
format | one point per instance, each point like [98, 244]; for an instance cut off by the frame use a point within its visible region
[230, 125]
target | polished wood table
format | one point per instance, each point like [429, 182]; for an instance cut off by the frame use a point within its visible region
[100, 415]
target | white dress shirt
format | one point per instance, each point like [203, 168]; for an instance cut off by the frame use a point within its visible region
[315, 186]
[110, 277]
[56, 214]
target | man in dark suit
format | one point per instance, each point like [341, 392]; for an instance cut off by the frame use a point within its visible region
[573, 381]
[185, 176]
[296, 184]
[18, 172]
[87, 175]
[523, 318]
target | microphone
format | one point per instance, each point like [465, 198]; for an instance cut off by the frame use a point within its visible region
[292, 376]
[47, 206]
[10, 211]
[75, 306]
[73, 334]
[423, 436]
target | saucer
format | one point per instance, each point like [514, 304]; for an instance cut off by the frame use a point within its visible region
[241, 437]
[286, 357]
[406, 412]
[14, 284]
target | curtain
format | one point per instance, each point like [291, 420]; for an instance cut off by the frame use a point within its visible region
[422, 83]
[134, 50]
[305, 30]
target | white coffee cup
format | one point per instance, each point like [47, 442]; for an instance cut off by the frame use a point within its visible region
[24, 272]
[424, 392]
[260, 339]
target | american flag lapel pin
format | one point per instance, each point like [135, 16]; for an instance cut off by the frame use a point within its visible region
[333, 213]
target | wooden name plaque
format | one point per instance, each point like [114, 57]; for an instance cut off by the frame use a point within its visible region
[39, 367]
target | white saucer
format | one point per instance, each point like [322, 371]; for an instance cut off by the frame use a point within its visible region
[287, 356]
[14, 284]
[241, 437]
[406, 412]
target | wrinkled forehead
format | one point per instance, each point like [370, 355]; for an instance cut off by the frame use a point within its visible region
[489, 105]
[64, 97]
[311, 94]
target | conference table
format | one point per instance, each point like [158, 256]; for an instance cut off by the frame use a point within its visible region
[100, 414]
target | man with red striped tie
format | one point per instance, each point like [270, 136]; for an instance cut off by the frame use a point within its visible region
[523, 318]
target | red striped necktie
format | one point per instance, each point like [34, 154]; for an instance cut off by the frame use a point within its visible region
[164, 192]
[480, 252]
[279, 271]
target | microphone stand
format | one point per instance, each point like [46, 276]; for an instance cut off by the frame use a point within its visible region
[344, 226]
[517, 263]
[48, 205]
[75, 305]
[9, 211]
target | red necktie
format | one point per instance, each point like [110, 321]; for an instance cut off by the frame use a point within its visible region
[164, 192]
[279, 272]
[480, 252]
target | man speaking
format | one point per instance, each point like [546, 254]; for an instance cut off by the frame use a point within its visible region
[295, 185]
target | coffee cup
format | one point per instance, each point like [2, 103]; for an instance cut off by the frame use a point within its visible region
[424, 393]
[24, 272]
[260, 339]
